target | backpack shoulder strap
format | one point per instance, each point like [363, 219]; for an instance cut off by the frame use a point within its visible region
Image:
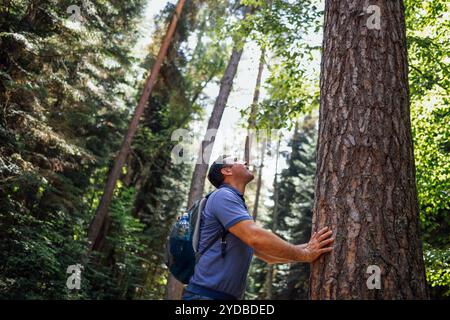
[196, 236]
[196, 233]
[223, 244]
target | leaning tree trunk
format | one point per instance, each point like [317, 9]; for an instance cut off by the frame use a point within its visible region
[365, 185]
[97, 227]
[174, 289]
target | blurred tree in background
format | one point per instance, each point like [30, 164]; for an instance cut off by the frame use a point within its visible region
[295, 203]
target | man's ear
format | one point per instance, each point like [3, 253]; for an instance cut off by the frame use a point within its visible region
[226, 171]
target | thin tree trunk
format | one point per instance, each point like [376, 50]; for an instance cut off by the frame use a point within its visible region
[259, 181]
[252, 116]
[204, 155]
[365, 184]
[174, 288]
[270, 269]
[102, 210]
[251, 127]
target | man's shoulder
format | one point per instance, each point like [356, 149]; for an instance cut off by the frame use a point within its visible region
[224, 194]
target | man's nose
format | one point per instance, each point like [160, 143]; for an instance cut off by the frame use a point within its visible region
[245, 164]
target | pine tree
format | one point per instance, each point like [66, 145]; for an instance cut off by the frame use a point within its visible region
[365, 189]
[59, 125]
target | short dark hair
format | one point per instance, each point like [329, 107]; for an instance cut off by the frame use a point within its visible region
[215, 176]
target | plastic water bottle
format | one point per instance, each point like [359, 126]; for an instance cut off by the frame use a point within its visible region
[183, 227]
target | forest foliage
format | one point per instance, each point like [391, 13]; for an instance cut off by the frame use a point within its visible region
[67, 90]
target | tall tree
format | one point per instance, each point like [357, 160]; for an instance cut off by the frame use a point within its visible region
[253, 109]
[275, 213]
[174, 287]
[98, 223]
[251, 127]
[365, 184]
[259, 179]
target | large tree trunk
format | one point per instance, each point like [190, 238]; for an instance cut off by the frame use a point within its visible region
[94, 233]
[365, 185]
[174, 289]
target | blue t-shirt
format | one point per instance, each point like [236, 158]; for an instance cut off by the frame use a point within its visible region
[216, 276]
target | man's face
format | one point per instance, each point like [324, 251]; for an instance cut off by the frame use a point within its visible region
[238, 170]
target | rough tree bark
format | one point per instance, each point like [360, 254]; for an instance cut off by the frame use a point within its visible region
[365, 184]
[174, 289]
[97, 225]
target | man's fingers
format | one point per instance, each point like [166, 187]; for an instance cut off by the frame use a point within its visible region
[322, 231]
[327, 249]
[325, 242]
[325, 235]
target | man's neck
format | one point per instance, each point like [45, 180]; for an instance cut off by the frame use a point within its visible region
[239, 186]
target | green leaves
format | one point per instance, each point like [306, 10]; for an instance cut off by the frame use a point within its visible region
[428, 53]
[438, 267]
[283, 28]
[60, 105]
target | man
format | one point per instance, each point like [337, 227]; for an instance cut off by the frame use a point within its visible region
[221, 271]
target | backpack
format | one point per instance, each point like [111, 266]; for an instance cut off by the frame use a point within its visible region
[182, 244]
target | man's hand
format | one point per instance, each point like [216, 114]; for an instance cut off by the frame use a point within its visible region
[319, 244]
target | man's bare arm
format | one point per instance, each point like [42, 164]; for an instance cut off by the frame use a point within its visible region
[271, 259]
[273, 248]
